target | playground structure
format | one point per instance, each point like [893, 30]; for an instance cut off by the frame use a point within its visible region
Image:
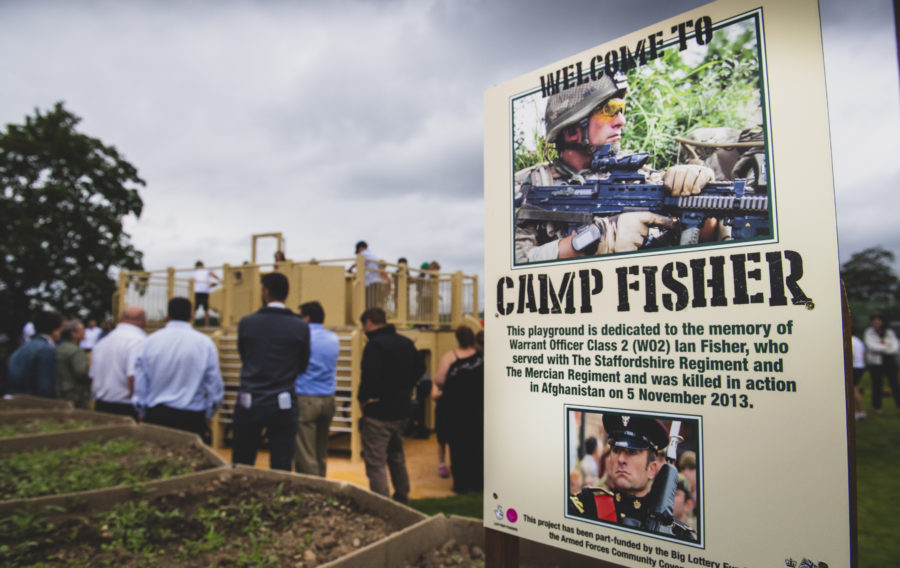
[425, 306]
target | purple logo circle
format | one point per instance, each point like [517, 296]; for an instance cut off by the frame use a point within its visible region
[511, 515]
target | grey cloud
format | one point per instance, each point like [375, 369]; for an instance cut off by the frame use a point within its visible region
[344, 120]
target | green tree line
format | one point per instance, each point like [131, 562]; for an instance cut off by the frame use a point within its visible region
[65, 195]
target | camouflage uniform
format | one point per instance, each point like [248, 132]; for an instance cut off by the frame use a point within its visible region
[728, 153]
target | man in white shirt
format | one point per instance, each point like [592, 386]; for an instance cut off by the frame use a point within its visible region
[859, 367]
[92, 335]
[203, 283]
[376, 287]
[112, 363]
[27, 331]
[177, 382]
[882, 348]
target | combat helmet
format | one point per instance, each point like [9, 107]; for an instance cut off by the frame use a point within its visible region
[574, 105]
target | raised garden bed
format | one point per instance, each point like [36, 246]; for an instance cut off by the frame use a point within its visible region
[226, 517]
[28, 402]
[33, 422]
[53, 469]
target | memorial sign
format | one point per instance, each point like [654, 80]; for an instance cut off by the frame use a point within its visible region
[664, 368]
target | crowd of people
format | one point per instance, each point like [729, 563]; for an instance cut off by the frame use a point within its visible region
[381, 287]
[288, 385]
[52, 358]
[172, 377]
[876, 352]
[287, 389]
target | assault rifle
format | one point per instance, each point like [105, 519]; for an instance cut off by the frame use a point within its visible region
[661, 499]
[663, 490]
[626, 189]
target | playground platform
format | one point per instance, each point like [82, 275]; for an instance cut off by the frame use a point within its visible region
[424, 305]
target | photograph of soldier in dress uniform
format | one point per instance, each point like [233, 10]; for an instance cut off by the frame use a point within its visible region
[635, 471]
[667, 154]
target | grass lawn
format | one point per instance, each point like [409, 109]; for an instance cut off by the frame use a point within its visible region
[878, 487]
[878, 483]
[466, 505]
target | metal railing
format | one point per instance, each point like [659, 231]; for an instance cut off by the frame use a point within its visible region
[419, 297]
[150, 291]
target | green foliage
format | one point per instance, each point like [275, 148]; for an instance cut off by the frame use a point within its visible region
[42, 427]
[64, 195]
[672, 96]
[877, 470]
[669, 97]
[184, 531]
[869, 277]
[90, 465]
[524, 156]
[465, 505]
[129, 526]
[25, 532]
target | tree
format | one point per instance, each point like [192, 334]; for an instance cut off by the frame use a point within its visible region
[869, 277]
[64, 197]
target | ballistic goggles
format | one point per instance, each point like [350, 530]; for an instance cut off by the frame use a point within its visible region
[608, 110]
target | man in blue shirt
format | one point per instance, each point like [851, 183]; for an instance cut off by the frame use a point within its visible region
[32, 368]
[177, 382]
[315, 393]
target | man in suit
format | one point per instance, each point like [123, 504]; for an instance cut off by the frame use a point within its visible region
[32, 368]
[274, 348]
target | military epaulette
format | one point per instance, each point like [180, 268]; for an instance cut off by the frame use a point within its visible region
[598, 491]
[585, 503]
[574, 501]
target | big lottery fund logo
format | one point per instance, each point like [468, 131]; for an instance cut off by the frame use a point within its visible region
[511, 514]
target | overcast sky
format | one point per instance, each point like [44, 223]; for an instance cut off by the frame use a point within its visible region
[346, 120]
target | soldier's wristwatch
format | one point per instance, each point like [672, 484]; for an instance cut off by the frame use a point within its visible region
[586, 238]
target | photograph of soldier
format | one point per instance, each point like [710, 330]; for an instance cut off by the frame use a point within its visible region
[669, 154]
[641, 488]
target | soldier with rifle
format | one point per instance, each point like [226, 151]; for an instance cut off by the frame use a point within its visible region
[580, 121]
[641, 486]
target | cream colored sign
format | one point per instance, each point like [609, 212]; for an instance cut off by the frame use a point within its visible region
[664, 379]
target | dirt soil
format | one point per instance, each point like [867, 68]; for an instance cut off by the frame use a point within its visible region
[237, 522]
[451, 554]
